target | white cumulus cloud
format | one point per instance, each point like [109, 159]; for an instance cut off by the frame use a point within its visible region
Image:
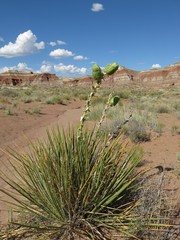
[156, 66]
[22, 67]
[69, 69]
[53, 44]
[25, 44]
[79, 57]
[96, 7]
[40, 45]
[58, 42]
[45, 68]
[61, 53]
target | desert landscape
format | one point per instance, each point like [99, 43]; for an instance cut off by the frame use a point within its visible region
[149, 100]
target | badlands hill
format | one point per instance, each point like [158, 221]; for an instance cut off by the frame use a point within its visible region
[169, 75]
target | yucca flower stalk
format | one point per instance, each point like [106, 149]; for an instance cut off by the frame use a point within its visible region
[87, 108]
[111, 102]
[98, 76]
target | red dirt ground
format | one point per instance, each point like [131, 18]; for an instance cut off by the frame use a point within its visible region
[17, 129]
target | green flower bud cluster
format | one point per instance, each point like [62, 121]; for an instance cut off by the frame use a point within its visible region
[114, 101]
[97, 73]
[111, 68]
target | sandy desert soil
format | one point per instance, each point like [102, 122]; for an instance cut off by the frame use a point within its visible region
[17, 129]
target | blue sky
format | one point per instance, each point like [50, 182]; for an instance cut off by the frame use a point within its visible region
[67, 36]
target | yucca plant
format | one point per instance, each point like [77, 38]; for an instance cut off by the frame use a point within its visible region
[76, 183]
[76, 187]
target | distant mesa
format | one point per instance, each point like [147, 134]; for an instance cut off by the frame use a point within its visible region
[14, 77]
[169, 75]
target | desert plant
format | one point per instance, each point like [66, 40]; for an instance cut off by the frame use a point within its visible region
[7, 92]
[178, 156]
[27, 99]
[9, 112]
[162, 108]
[157, 209]
[137, 131]
[28, 111]
[68, 190]
[36, 110]
[175, 129]
[55, 100]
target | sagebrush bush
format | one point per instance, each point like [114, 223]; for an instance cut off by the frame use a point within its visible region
[137, 131]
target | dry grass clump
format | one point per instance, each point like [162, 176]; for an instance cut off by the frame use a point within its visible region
[158, 210]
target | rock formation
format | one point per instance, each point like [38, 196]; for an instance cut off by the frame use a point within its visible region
[166, 76]
[13, 78]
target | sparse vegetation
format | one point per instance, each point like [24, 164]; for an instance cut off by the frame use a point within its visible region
[8, 111]
[178, 156]
[75, 195]
[175, 129]
[64, 183]
[156, 204]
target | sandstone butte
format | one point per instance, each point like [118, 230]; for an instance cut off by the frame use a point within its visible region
[169, 75]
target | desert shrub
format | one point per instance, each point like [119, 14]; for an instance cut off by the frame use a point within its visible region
[82, 96]
[49, 101]
[7, 92]
[175, 129]
[135, 124]
[99, 100]
[178, 156]
[137, 131]
[162, 108]
[178, 115]
[157, 209]
[27, 99]
[36, 110]
[9, 112]
[159, 127]
[55, 100]
[28, 111]
[28, 92]
[176, 105]
[96, 112]
[5, 100]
